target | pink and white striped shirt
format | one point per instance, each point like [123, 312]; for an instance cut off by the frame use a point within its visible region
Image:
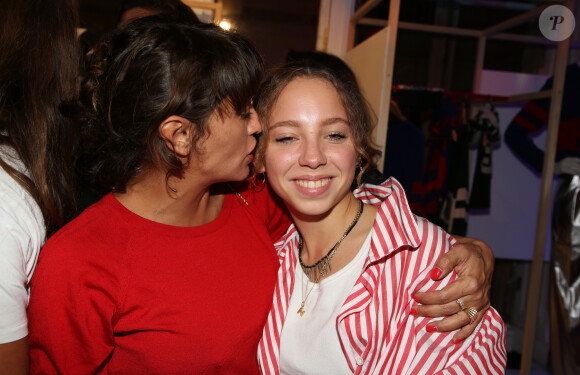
[376, 331]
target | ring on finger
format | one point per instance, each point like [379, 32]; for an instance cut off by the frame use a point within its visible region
[458, 300]
[471, 313]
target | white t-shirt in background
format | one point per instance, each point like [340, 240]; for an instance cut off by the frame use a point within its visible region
[22, 234]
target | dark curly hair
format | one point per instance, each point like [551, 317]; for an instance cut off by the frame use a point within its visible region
[151, 70]
[333, 70]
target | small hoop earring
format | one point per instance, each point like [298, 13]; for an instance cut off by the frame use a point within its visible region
[359, 162]
[259, 182]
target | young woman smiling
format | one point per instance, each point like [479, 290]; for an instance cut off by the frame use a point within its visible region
[352, 262]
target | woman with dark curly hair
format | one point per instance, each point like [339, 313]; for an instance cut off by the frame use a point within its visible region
[173, 270]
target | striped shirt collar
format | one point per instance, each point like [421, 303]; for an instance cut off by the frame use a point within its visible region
[402, 230]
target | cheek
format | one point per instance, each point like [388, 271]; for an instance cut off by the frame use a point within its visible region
[235, 142]
[270, 162]
[346, 159]
[277, 162]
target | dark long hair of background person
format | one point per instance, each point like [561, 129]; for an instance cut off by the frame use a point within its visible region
[38, 76]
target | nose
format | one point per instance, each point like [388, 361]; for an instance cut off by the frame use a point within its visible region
[312, 154]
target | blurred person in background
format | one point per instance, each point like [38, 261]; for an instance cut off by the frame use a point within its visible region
[132, 10]
[39, 67]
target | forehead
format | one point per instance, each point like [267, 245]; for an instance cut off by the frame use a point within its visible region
[304, 84]
[308, 96]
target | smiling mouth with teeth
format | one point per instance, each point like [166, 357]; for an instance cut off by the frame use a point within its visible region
[313, 184]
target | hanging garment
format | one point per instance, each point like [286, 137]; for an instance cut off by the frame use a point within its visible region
[484, 125]
[565, 278]
[453, 205]
[419, 104]
[445, 122]
[533, 118]
[404, 153]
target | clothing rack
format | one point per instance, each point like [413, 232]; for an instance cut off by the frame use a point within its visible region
[456, 94]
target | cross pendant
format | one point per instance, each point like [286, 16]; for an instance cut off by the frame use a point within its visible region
[301, 310]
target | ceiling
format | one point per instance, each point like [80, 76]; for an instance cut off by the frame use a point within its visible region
[274, 26]
[448, 61]
[278, 26]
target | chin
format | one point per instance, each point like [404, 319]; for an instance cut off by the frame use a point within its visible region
[309, 208]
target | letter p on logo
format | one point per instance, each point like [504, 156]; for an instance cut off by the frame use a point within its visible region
[556, 23]
[557, 20]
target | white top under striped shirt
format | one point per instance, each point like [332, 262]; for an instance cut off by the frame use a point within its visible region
[309, 344]
[375, 329]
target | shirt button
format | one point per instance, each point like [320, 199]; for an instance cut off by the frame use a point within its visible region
[360, 361]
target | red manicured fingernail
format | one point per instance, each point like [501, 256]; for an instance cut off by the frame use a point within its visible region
[413, 311]
[457, 341]
[414, 297]
[435, 273]
[431, 329]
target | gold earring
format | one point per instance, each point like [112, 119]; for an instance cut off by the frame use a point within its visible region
[259, 182]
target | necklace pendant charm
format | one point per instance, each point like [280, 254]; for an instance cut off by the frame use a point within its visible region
[301, 311]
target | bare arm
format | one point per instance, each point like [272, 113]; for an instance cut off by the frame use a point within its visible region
[473, 261]
[14, 357]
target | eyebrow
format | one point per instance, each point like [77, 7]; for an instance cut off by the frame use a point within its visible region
[326, 122]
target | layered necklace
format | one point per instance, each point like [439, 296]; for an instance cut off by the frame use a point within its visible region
[320, 269]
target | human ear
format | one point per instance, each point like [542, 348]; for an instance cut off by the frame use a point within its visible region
[260, 160]
[176, 132]
[260, 166]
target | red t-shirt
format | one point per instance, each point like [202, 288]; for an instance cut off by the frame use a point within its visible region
[119, 294]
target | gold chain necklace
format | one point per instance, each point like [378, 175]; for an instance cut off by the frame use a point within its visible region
[320, 269]
[301, 311]
[237, 193]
